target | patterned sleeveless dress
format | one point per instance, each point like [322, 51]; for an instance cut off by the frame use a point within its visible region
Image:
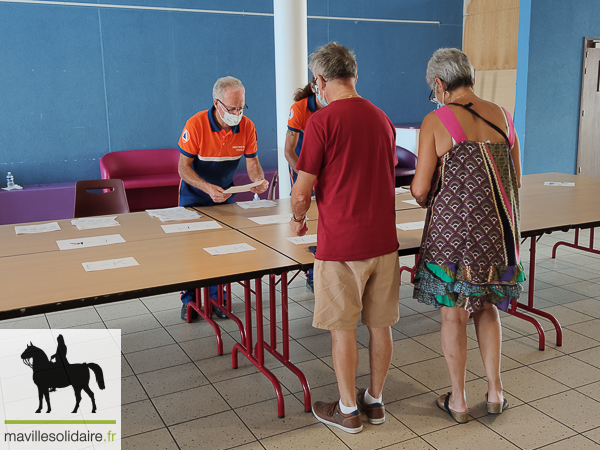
[470, 248]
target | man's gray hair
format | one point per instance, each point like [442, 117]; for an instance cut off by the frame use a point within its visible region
[225, 83]
[452, 67]
[333, 61]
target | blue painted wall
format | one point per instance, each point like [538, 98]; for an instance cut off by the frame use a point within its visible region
[554, 65]
[77, 82]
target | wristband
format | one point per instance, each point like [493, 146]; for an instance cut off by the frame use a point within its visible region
[298, 220]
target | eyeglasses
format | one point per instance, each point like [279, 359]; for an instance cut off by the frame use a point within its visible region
[233, 110]
[432, 98]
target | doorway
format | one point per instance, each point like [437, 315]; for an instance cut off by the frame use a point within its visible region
[588, 147]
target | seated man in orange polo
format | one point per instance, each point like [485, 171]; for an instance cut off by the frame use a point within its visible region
[211, 145]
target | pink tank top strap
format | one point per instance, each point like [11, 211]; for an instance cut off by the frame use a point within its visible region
[511, 128]
[451, 123]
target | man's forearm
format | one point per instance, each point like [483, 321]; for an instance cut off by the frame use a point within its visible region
[300, 205]
[188, 175]
[255, 171]
[289, 149]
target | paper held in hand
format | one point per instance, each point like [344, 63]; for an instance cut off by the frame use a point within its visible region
[243, 188]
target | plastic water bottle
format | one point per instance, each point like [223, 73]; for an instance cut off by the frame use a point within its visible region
[10, 181]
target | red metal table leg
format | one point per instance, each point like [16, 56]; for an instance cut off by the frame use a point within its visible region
[246, 347]
[575, 244]
[411, 270]
[206, 314]
[529, 306]
[536, 324]
[272, 347]
[228, 310]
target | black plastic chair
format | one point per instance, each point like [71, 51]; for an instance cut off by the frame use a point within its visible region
[109, 198]
[405, 169]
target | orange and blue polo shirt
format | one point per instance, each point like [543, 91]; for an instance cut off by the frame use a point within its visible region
[299, 114]
[216, 154]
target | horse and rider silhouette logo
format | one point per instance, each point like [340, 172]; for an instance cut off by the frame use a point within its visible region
[48, 375]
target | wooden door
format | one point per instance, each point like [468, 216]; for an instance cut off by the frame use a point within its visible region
[588, 149]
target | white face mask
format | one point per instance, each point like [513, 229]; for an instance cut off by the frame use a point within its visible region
[232, 119]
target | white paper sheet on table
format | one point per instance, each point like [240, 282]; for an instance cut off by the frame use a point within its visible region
[558, 183]
[110, 264]
[401, 190]
[411, 225]
[175, 213]
[411, 202]
[194, 226]
[95, 241]
[87, 223]
[306, 239]
[41, 228]
[276, 218]
[257, 204]
[243, 188]
[226, 249]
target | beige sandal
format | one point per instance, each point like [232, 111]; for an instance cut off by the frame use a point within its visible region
[458, 417]
[496, 408]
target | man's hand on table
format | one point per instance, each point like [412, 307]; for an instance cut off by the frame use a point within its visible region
[300, 228]
[260, 188]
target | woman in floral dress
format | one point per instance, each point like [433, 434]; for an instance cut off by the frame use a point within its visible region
[468, 175]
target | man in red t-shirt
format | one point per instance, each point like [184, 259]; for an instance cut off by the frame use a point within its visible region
[349, 156]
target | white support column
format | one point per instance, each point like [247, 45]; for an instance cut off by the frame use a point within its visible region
[291, 72]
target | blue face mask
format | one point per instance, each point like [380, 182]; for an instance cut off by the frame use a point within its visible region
[320, 97]
[435, 101]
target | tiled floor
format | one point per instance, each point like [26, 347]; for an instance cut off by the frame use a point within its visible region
[177, 394]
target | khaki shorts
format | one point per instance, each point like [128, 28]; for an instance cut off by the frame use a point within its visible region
[345, 289]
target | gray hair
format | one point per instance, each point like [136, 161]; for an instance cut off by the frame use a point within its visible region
[333, 61]
[452, 67]
[225, 83]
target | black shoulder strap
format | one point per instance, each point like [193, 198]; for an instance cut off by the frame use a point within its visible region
[475, 113]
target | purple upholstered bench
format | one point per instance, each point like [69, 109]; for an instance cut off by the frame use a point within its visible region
[37, 203]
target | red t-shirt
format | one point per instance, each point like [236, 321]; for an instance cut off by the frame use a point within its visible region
[351, 147]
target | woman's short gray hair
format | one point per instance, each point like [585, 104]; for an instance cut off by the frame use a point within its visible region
[333, 61]
[452, 67]
[225, 83]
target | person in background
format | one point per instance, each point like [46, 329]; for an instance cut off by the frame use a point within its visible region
[211, 146]
[468, 175]
[349, 150]
[305, 104]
